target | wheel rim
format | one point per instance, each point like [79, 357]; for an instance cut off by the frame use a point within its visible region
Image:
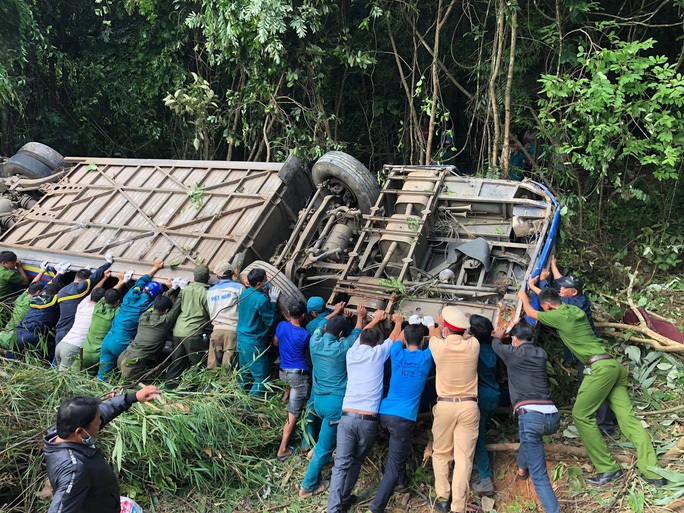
[340, 190]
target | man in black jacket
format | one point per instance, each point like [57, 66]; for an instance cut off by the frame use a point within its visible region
[81, 479]
[531, 399]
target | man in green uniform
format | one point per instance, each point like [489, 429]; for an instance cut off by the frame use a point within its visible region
[10, 280]
[153, 328]
[188, 332]
[256, 314]
[605, 379]
[103, 316]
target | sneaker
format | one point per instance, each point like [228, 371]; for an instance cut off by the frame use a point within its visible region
[484, 486]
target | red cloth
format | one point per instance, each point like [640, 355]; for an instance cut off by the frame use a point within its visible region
[663, 328]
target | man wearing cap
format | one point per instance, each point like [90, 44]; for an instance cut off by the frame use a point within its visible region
[222, 301]
[189, 345]
[537, 415]
[315, 308]
[457, 417]
[604, 379]
[570, 290]
[125, 323]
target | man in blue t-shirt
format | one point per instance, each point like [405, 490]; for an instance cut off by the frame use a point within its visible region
[398, 411]
[292, 340]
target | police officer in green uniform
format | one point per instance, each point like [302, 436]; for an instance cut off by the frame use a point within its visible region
[9, 279]
[605, 380]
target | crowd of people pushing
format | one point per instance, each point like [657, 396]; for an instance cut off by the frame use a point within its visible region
[333, 361]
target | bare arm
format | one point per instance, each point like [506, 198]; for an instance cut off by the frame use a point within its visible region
[121, 282]
[554, 268]
[22, 273]
[532, 284]
[38, 277]
[435, 329]
[527, 307]
[379, 316]
[361, 313]
[398, 320]
[158, 264]
[339, 308]
[101, 283]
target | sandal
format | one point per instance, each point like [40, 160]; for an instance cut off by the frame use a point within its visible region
[524, 475]
[320, 489]
[287, 456]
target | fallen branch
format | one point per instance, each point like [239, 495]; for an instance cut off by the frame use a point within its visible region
[560, 450]
[656, 340]
[660, 342]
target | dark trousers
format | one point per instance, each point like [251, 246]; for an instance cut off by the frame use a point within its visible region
[355, 437]
[400, 431]
[193, 351]
[533, 426]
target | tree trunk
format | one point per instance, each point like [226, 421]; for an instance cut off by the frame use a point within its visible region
[435, 78]
[505, 150]
[497, 50]
[409, 96]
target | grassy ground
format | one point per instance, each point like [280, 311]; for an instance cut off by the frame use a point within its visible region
[205, 448]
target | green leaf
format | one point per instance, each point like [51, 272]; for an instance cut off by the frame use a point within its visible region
[91, 167]
[672, 476]
[633, 353]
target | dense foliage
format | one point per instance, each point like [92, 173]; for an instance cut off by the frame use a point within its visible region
[592, 90]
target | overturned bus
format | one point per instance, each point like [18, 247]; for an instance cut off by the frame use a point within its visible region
[426, 238]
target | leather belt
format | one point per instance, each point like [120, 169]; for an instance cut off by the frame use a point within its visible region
[597, 358]
[523, 411]
[457, 399]
[362, 416]
[295, 371]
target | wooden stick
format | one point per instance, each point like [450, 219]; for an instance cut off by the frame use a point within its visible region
[676, 451]
[558, 450]
[660, 342]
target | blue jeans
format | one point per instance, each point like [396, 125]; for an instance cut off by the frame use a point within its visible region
[487, 408]
[329, 409]
[253, 362]
[531, 456]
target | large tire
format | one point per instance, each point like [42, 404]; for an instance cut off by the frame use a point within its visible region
[361, 187]
[25, 166]
[289, 291]
[43, 153]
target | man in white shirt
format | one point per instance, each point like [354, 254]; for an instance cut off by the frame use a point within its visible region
[359, 422]
[69, 348]
[222, 300]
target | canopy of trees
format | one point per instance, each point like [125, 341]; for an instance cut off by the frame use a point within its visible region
[589, 93]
